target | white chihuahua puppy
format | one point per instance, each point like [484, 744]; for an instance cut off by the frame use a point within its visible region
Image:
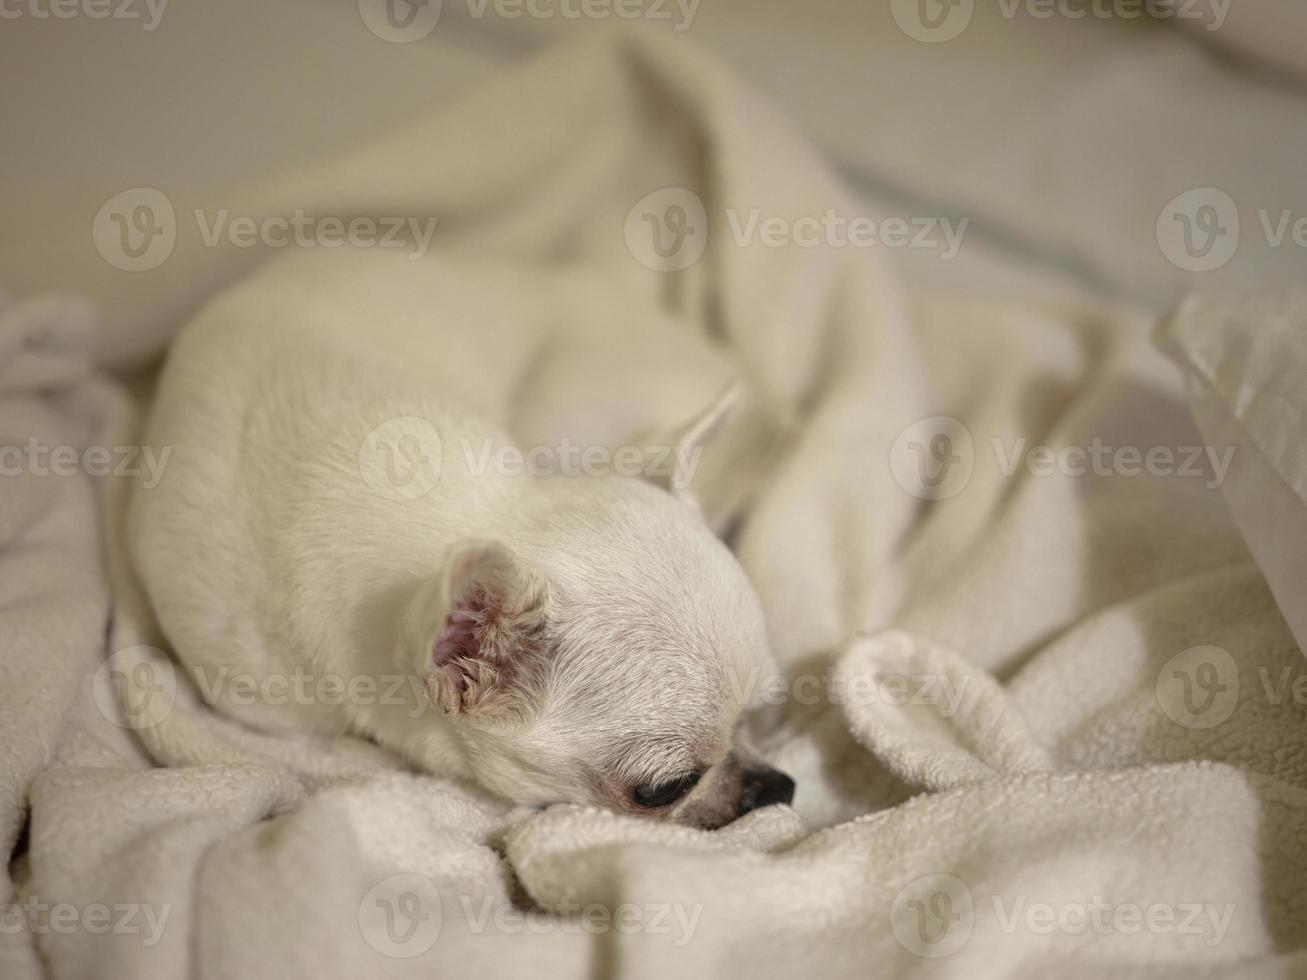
[554, 638]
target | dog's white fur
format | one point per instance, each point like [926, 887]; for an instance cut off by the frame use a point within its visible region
[566, 638]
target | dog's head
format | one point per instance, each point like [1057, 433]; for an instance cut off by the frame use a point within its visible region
[604, 658]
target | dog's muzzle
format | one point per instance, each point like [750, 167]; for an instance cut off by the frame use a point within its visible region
[763, 787]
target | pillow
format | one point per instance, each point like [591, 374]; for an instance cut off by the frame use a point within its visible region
[1244, 356]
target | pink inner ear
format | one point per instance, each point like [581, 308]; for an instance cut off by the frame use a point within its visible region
[480, 656]
[457, 643]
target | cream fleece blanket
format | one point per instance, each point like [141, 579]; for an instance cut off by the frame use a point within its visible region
[1043, 712]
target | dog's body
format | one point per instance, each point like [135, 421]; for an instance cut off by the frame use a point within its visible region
[335, 525]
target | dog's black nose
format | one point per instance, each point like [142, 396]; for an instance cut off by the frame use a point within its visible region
[763, 787]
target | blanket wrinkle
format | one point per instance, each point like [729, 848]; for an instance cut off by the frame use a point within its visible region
[945, 823]
[933, 719]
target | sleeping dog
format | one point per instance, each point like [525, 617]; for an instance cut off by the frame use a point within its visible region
[571, 638]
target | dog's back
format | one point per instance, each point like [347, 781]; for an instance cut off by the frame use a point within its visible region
[279, 404]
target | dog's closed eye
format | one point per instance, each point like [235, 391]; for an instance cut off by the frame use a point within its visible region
[664, 793]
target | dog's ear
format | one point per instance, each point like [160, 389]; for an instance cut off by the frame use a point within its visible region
[686, 443]
[489, 651]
